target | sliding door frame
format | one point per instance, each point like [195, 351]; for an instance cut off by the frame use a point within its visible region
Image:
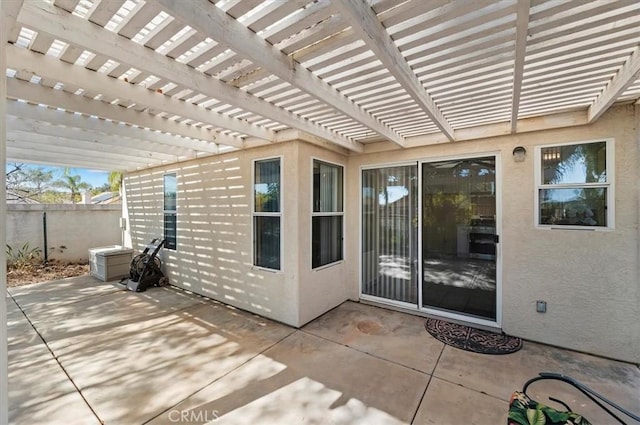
[363, 296]
[498, 187]
[418, 307]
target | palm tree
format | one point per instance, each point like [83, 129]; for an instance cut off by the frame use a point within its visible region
[73, 184]
[115, 180]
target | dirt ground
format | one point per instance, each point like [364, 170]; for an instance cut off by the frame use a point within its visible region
[40, 273]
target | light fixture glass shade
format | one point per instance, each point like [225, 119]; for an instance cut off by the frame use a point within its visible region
[519, 154]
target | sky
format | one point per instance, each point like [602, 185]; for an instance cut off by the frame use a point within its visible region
[94, 177]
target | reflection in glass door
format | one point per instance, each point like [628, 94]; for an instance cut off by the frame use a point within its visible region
[459, 236]
[389, 233]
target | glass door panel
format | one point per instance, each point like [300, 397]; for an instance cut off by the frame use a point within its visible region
[389, 233]
[459, 236]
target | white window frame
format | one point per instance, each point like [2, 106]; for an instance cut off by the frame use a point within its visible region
[326, 214]
[265, 214]
[609, 185]
[165, 211]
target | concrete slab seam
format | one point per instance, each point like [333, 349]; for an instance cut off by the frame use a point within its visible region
[57, 360]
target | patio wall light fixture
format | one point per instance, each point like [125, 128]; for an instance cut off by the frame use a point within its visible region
[519, 153]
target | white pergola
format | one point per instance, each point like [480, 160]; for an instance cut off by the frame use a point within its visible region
[129, 84]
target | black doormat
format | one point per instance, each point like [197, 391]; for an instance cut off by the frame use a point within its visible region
[471, 339]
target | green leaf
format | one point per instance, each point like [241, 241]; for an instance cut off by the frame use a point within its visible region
[536, 417]
[556, 416]
[518, 416]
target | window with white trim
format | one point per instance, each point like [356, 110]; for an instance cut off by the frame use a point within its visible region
[266, 213]
[170, 210]
[327, 216]
[575, 185]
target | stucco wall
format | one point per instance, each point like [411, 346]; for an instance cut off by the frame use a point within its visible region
[77, 227]
[325, 287]
[214, 253]
[590, 280]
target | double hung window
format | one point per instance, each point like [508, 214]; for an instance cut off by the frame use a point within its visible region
[266, 213]
[327, 216]
[170, 211]
[575, 185]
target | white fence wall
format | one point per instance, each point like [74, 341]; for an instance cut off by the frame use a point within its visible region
[77, 227]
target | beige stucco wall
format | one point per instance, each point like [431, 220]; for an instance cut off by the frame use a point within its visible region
[590, 280]
[214, 254]
[77, 227]
[325, 287]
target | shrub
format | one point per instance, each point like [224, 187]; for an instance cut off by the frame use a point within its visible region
[22, 258]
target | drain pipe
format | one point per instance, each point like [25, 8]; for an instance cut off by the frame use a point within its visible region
[44, 234]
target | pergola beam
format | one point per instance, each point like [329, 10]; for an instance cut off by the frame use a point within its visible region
[626, 76]
[215, 23]
[81, 33]
[10, 10]
[38, 94]
[56, 70]
[73, 148]
[90, 140]
[147, 139]
[522, 28]
[23, 154]
[365, 23]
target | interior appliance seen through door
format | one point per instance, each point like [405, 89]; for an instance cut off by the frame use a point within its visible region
[459, 236]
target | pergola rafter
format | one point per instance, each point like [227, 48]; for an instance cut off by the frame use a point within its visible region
[624, 78]
[21, 128]
[150, 140]
[38, 94]
[79, 32]
[216, 24]
[366, 24]
[210, 78]
[58, 71]
[522, 26]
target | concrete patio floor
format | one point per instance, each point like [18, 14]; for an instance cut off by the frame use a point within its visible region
[86, 352]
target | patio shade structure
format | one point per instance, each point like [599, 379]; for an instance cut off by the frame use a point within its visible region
[131, 84]
[117, 84]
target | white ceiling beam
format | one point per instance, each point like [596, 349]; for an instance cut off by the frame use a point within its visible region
[90, 139]
[215, 23]
[626, 76]
[522, 28]
[144, 139]
[18, 154]
[68, 5]
[139, 16]
[42, 143]
[79, 32]
[365, 22]
[525, 125]
[102, 11]
[53, 69]
[8, 21]
[36, 93]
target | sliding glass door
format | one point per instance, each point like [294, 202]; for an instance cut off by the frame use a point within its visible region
[429, 239]
[389, 233]
[459, 237]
